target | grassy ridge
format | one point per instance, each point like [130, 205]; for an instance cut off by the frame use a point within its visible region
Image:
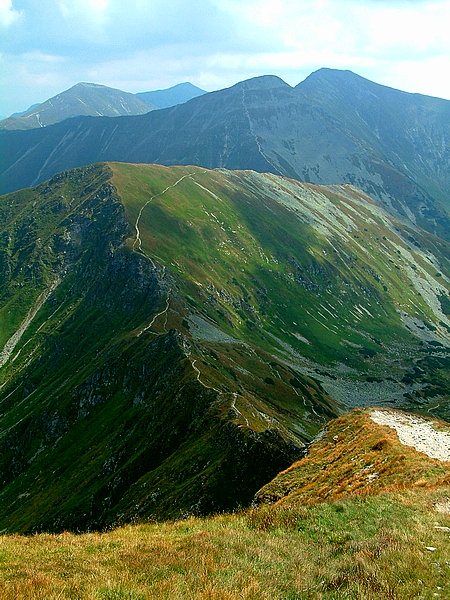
[293, 268]
[355, 456]
[89, 404]
[227, 240]
[176, 371]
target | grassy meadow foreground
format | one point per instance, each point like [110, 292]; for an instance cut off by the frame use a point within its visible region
[360, 547]
[361, 516]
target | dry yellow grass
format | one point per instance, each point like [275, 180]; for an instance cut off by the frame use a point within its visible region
[362, 548]
[355, 456]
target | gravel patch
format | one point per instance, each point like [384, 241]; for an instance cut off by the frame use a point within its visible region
[416, 432]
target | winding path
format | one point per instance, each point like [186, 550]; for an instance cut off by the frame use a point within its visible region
[163, 312]
[137, 241]
[235, 408]
[137, 245]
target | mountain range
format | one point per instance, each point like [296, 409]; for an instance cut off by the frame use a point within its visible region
[92, 99]
[335, 127]
[171, 338]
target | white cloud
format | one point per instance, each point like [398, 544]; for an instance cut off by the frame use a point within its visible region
[418, 75]
[86, 7]
[145, 44]
[91, 13]
[41, 57]
[7, 13]
[375, 28]
[399, 43]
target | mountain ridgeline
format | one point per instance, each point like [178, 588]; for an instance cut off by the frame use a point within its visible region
[83, 99]
[172, 337]
[92, 99]
[334, 127]
[177, 94]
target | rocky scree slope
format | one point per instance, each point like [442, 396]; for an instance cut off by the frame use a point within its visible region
[171, 338]
[334, 127]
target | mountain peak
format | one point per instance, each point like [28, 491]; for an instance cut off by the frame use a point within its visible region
[82, 99]
[327, 71]
[177, 94]
[263, 82]
[344, 78]
[182, 85]
[326, 74]
[88, 84]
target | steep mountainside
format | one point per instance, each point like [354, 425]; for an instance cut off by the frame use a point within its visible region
[170, 338]
[335, 127]
[88, 99]
[178, 94]
[398, 144]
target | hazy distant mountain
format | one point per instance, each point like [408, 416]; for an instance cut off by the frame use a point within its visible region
[335, 127]
[392, 144]
[23, 112]
[83, 99]
[178, 94]
[92, 99]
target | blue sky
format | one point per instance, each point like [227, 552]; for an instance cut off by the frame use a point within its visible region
[47, 46]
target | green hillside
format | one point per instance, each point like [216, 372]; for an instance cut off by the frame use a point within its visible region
[309, 273]
[171, 338]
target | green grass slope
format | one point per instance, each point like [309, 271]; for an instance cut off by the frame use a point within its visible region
[305, 272]
[105, 416]
[171, 338]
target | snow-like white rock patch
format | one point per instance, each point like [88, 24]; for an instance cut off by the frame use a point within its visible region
[416, 432]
